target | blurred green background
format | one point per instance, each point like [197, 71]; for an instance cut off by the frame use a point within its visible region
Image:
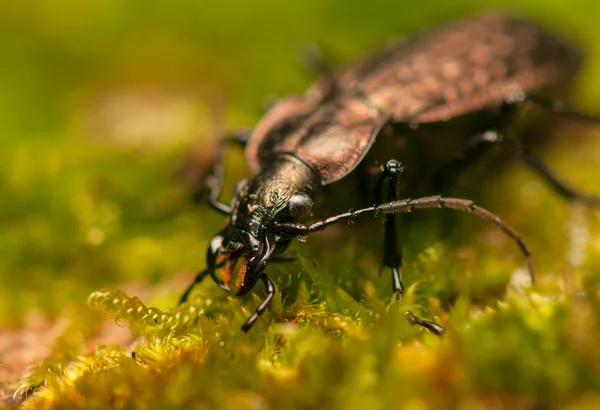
[106, 112]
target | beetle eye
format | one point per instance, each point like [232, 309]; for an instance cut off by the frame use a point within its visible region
[300, 204]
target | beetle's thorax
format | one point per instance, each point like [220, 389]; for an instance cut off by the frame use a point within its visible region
[262, 199]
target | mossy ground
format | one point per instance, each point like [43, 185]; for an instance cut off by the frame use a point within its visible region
[102, 103]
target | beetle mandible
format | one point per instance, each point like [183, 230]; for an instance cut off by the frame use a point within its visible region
[491, 62]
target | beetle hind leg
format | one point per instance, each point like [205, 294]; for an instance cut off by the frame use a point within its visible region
[536, 164]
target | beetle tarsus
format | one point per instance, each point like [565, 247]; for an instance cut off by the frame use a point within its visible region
[397, 285]
[270, 288]
[432, 327]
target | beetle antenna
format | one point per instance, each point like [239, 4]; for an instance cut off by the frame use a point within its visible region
[408, 205]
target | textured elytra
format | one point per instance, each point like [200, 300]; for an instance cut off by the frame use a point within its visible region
[463, 67]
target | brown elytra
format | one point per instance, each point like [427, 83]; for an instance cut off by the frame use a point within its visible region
[462, 67]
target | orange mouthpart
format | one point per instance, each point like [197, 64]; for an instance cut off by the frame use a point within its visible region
[241, 274]
[227, 272]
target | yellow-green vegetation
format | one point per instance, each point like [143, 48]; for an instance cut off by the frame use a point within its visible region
[107, 110]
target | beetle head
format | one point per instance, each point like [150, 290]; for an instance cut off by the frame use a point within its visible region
[230, 246]
[259, 204]
[253, 242]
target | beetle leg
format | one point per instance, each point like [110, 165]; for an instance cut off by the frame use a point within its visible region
[432, 327]
[392, 253]
[537, 165]
[270, 288]
[479, 145]
[215, 181]
[199, 278]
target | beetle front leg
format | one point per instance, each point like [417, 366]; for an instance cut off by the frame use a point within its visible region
[270, 288]
[199, 278]
[215, 180]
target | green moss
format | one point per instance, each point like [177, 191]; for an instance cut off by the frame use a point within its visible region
[528, 348]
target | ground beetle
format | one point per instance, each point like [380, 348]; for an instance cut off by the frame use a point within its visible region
[493, 63]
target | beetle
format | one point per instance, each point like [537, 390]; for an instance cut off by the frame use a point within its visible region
[492, 64]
